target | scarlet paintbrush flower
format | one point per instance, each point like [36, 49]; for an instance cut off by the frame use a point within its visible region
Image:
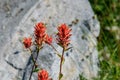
[43, 75]
[63, 35]
[39, 32]
[27, 42]
[48, 39]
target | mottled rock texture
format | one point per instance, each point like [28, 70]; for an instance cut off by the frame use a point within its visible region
[82, 58]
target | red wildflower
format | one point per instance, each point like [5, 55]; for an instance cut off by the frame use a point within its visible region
[48, 39]
[63, 35]
[43, 75]
[27, 42]
[39, 33]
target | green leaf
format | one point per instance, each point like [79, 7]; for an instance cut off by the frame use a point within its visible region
[60, 45]
[36, 70]
[59, 55]
[82, 77]
[63, 61]
[68, 48]
[60, 76]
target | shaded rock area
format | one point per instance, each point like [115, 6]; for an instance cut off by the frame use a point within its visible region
[11, 14]
[82, 58]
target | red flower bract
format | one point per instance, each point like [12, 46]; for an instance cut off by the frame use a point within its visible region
[39, 32]
[63, 35]
[27, 42]
[48, 39]
[43, 75]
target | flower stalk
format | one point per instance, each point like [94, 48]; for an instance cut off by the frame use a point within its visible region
[56, 51]
[61, 62]
[33, 58]
[63, 41]
[38, 49]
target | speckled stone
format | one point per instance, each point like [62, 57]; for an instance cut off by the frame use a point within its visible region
[82, 58]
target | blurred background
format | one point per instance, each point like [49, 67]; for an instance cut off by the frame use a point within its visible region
[108, 13]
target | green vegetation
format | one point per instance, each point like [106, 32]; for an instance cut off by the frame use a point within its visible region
[108, 13]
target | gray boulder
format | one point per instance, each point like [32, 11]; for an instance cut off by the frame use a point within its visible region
[82, 58]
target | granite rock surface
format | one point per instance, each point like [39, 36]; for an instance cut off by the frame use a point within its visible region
[82, 58]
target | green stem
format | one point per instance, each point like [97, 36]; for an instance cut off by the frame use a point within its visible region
[34, 64]
[55, 50]
[62, 58]
[32, 57]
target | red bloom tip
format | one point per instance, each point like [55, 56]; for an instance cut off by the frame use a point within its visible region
[48, 39]
[27, 42]
[63, 35]
[39, 32]
[43, 75]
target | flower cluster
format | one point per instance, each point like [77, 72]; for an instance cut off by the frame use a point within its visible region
[27, 42]
[63, 35]
[40, 36]
[48, 39]
[43, 75]
[39, 32]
